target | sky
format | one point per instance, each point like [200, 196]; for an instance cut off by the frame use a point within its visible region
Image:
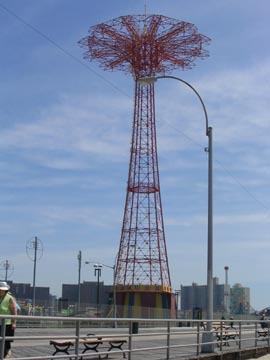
[65, 141]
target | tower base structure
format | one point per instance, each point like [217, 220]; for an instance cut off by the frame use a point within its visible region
[145, 301]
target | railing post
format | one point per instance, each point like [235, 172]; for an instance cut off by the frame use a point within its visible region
[130, 340]
[256, 334]
[198, 338]
[240, 336]
[168, 339]
[77, 338]
[3, 335]
[221, 335]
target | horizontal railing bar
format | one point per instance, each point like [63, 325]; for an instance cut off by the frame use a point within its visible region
[247, 335]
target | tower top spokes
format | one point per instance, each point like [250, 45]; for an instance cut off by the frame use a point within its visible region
[144, 45]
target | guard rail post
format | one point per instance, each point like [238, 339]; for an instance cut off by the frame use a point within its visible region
[198, 338]
[256, 334]
[3, 335]
[130, 340]
[240, 336]
[77, 338]
[168, 339]
[221, 335]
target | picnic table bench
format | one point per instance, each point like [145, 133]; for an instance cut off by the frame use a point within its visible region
[90, 343]
[263, 333]
[226, 333]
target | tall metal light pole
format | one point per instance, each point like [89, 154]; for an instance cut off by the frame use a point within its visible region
[208, 336]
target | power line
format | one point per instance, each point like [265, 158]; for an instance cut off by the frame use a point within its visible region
[243, 187]
[59, 47]
[229, 173]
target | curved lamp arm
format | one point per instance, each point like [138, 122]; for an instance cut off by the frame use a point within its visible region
[151, 80]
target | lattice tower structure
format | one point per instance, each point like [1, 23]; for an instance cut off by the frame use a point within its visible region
[144, 46]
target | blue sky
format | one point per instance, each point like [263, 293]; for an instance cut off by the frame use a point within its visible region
[65, 138]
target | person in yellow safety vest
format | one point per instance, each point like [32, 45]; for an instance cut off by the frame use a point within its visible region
[7, 307]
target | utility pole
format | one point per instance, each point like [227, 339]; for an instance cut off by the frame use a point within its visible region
[79, 257]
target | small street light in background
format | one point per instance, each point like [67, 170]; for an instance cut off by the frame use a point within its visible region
[98, 267]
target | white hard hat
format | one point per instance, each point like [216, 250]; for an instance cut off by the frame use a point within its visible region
[4, 286]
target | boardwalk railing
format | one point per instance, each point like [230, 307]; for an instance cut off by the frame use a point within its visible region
[134, 339]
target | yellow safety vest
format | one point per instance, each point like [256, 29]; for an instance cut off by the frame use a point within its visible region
[5, 308]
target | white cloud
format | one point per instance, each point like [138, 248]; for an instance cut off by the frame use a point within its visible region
[64, 137]
[91, 216]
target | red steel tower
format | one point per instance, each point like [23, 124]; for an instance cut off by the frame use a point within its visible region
[144, 46]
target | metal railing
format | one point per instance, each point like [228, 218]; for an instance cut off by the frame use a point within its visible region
[147, 338]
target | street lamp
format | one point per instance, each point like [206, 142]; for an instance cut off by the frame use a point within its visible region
[177, 294]
[207, 336]
[98, 268]
[114, 286]
[114, 292]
